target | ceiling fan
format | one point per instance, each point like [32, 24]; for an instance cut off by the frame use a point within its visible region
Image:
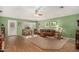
[38, 12]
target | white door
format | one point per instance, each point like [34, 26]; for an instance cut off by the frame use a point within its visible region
[12, 27]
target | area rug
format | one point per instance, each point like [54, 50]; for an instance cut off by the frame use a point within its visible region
[49, 43]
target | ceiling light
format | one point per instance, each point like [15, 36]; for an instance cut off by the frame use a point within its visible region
[38, 12]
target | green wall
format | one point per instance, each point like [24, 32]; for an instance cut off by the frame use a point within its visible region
[68, 23]
[4, 20]
[19, 27]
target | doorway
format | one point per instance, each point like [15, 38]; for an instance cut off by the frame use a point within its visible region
[12, 27]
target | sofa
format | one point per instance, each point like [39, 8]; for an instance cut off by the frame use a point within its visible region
[47, 32]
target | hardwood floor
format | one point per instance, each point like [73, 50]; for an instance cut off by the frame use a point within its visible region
[19, 44]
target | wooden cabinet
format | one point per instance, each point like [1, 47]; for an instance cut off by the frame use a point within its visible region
[77, 39]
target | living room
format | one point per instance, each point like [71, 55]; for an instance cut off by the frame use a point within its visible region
[38, 28]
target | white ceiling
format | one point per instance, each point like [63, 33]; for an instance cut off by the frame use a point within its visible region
[27, 12]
